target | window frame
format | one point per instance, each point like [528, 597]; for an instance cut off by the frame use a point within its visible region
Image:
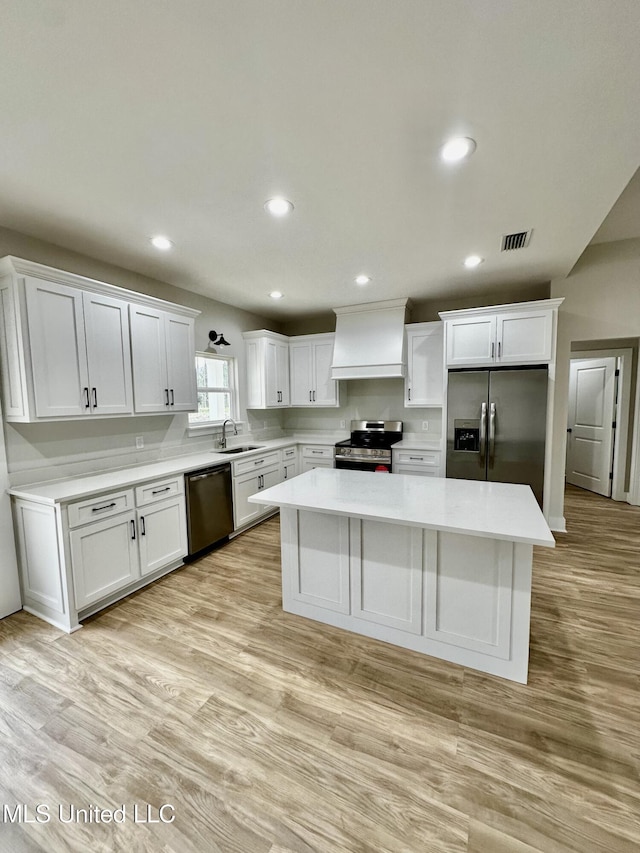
[232, 390]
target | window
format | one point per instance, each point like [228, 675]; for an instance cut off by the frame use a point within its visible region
[215, 379]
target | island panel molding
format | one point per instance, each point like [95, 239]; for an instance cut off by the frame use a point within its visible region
[421, 575]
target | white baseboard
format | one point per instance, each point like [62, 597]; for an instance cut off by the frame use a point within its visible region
[558, 524]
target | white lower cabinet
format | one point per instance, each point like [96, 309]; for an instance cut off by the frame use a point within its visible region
[258, 472]
[423, 463]
[246, 485]
[78, 557]
[317, 456]
[289, 460]
[251, 475]
[110, 554]
[162, 534]
[104, 557]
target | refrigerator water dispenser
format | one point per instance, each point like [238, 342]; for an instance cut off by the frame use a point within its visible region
[466, 435]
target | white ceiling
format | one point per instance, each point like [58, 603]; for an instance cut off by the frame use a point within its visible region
[121, 120]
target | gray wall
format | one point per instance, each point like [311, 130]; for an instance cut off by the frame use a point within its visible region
[601, 302]
[52, 450]
[425, 310]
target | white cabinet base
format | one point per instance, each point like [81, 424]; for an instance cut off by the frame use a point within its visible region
[465, 599]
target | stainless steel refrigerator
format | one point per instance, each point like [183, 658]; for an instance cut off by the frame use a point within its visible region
[496, 425]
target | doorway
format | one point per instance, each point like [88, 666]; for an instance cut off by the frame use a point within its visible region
[598, 420]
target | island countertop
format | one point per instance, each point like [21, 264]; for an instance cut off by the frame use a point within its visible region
[493, 510]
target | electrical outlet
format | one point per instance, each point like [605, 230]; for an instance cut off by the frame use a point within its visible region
[425, 425]
[139, 442]
[343, 424]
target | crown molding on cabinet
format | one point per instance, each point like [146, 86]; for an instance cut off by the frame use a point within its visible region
[12, 265]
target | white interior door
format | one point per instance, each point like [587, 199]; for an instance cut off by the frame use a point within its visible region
[592, 386]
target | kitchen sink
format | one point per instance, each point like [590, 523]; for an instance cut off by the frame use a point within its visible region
[240, 449]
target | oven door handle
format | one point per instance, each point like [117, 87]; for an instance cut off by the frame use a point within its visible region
[368, 459]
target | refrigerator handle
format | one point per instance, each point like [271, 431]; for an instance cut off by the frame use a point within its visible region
[483, 432]
[492, 432]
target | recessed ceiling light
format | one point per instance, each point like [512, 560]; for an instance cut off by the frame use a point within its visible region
[457, 149]
[362, 279]
[275, 294]
[473, 261]
[278, 206]
[161, 242]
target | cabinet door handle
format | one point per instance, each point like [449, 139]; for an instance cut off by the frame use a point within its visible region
[143, 527]
[409, 394]
[258, 462]
[499, 348]
[318, 452]
[493, 347]
[417, 458]
[102, 508]
[94, 391]
[85, 391]
[314, 396]
[166, 396]
[159, 491]
[133, 528]
[309, 396]
[285, 472]
[172, 399]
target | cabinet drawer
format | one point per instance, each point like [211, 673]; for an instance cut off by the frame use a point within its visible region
[256, 463]
[416, 470]
[422, 458]
[318, 451]
[97, 508]
[159, 490]
[289, 453]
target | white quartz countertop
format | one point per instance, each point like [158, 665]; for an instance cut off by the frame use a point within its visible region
[492, 510]
[416, 444]
[60, 491]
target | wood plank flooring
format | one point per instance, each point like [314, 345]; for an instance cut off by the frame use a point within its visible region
[268, 733]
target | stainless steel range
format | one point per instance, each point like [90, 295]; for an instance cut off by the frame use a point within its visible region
[369, 447]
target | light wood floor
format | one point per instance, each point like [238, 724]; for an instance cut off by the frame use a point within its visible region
[272, 734]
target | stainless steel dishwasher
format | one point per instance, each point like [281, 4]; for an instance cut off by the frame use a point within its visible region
[209, 507]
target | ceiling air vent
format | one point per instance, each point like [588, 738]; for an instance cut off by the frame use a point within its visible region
[518, 240]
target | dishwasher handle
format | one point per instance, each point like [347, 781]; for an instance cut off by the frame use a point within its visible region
[213, 473]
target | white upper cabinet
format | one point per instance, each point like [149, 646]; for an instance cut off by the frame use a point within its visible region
[524, 336]
[310, 358]
[267, 369]
[58, 349]
[471, 340]
[79, 347]
[521, 333]
[65, 347]
[163, 352]
[106, 322]
[423, 383]
[181, 363]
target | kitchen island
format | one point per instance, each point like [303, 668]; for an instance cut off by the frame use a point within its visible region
[439, 566]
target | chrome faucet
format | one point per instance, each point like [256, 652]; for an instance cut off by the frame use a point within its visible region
[223, 440]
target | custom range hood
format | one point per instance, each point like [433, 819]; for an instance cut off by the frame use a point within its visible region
[369, 342]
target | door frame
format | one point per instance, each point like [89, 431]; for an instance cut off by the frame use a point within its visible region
[621, 409]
